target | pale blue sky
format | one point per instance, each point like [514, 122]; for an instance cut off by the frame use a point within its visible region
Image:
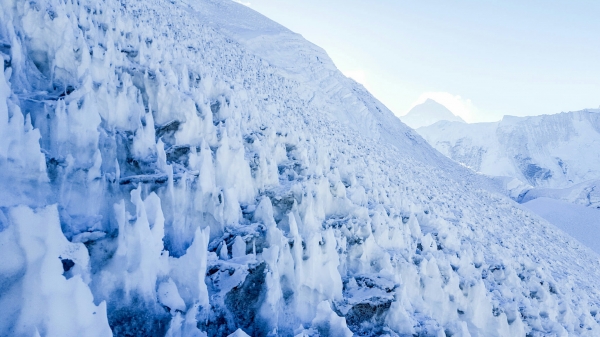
[501, 57]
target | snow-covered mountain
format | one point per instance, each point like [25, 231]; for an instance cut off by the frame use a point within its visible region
[550, 151]
[550, 163]
[190, 168]
[427, 113]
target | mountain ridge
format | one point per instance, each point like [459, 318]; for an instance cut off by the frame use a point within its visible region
[544, 151]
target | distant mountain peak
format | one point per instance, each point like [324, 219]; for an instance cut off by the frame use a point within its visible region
[428, 113]
[431, 101]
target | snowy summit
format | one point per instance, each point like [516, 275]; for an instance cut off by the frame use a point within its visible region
[428, 113]
[191, 168]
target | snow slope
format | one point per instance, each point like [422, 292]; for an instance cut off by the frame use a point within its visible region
[583, 223]
[192, 168]
[550, 156]
[428, 113]
[550, 151]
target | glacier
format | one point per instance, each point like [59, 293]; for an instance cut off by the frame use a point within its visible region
[191, 168]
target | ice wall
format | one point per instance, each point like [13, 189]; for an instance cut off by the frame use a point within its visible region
[202, 186]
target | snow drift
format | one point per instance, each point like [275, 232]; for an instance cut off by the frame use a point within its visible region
[194, 169]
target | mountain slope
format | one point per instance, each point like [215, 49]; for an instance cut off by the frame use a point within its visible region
[579, 221]
[192, 168]
[552, 151]
[427, 113]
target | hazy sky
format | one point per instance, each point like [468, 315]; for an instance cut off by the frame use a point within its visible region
[482, 59]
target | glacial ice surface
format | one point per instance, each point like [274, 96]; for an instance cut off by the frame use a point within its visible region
[190, 168]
